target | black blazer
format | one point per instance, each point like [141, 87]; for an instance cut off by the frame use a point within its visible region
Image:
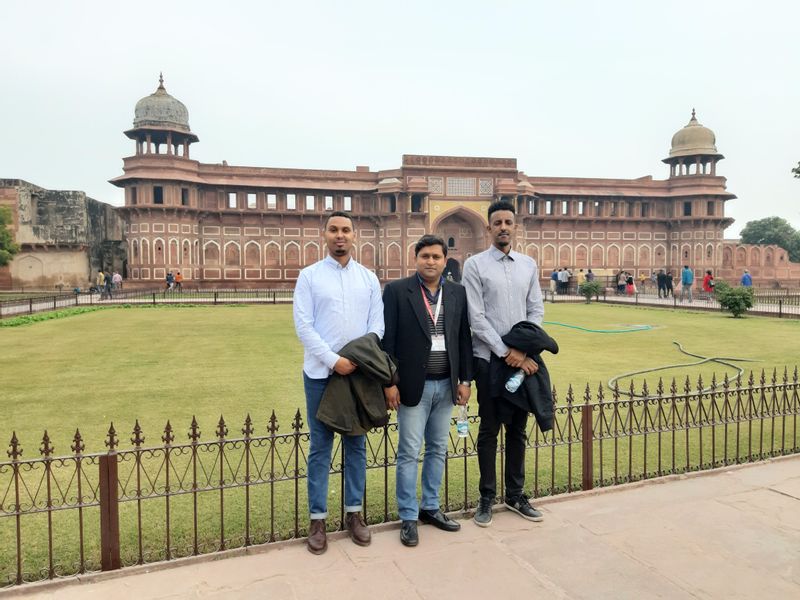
[408, 337]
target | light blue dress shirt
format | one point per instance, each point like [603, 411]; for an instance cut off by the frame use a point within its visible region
[502, 290]
[334, 305]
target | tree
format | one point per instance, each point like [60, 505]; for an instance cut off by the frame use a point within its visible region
[736, 300]
[796, 170]
[773, 230]
[7, 246]
[590, 288]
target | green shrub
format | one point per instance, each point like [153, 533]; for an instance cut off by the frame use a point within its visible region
[590, 288]
[735, 300]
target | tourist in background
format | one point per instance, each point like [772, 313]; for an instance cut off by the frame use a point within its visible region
[687, 281]
[336, 300]
[116, 280]
[747, 280]
[670, 284]
[708, 282]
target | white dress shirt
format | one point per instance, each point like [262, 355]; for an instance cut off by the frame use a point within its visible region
[334, 305]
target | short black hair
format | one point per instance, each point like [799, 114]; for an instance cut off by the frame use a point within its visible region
[430, 240]
[340, 213]
[500, 205]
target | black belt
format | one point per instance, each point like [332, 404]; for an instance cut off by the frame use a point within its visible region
[436, 376]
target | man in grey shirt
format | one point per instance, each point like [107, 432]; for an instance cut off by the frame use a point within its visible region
[502, 290]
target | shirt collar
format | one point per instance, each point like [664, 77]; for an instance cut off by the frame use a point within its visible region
[335, 263]
[498, 254]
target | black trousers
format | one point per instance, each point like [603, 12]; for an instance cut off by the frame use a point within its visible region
[516, 436]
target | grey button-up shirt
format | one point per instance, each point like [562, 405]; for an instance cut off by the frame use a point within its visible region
[502, 290]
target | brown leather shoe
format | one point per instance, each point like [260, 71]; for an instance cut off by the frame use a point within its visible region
[359, 532]
[317, 541]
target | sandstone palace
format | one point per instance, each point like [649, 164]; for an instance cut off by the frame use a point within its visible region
[230, 226]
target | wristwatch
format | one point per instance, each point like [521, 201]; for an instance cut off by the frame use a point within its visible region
[466, 383]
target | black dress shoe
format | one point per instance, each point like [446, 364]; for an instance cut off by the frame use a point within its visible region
[408, 533]
[438, 519]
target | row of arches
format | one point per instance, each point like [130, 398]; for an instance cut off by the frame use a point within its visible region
[616, 255]
[751, 256]
[175, 252]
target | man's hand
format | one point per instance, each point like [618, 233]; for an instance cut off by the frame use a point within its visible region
[529, 366]
[462, 394]
[392, 395]
[515, 358]
[344, 366]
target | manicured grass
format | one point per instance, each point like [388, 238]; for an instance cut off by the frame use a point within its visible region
[166, 363]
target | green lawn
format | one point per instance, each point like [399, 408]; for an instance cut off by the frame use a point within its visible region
[169, 363]
[159, 364]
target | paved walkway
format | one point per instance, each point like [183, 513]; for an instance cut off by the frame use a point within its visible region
[732, 533]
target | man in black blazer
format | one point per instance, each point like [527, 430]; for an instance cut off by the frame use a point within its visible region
[428, 336]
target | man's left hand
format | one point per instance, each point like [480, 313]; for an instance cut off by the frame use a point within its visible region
[462, 394]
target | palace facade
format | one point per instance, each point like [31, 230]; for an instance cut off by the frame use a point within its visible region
[232, 226]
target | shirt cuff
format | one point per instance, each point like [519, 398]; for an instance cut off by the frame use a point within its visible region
[330, 359]
[501, 350]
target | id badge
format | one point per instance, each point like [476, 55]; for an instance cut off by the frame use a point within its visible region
[438, 344]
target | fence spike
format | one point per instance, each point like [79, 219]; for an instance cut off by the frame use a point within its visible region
[222, 429]
[569, 395]
[112, 441]
[137, 439]
[16, 449]
[726, 383]
[168, 436]
[713, 381]
[632, 390]
[77, 443]
[785, 374]
[687, 386]
[273, 426]
[247, 430]
[555, 396]
[601, 396]
[751, 380]
[763, 379]
[794, 377]
[673, 387]
[616, 391]
[700, 383]
[46, 449]
[660, 387]
[774, 375]
[587, 394]
[194, 430]
[645, 389]
[297, 424]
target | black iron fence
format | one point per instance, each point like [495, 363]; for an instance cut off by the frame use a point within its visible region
[776, 303]
[185, 495]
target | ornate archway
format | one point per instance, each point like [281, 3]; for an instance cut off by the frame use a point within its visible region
[465, 234]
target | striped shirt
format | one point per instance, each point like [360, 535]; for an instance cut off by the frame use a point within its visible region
[438, 363]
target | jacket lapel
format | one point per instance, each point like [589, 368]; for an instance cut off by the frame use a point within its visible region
[417, 305]
[451, 310]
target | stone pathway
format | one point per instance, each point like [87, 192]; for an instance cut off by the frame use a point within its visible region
[730, 533]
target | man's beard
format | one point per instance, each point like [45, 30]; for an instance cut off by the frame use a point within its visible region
[503, 241]
[340, 251]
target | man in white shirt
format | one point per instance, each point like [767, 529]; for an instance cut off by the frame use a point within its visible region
[336, 300]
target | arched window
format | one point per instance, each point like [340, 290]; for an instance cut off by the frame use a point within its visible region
[451, 242]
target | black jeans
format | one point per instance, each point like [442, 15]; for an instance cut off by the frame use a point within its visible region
[516, 436]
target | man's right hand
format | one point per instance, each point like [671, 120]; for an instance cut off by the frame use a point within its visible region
[515, 358]
[392, 395]
[530, 366]
[344, 366]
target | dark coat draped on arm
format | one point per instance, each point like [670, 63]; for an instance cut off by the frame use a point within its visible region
[353, 404]
[535, 394]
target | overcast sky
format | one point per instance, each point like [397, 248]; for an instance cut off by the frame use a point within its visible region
[586, 89]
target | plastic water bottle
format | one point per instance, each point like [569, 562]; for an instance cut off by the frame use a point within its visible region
[513, 383]
[462, 423]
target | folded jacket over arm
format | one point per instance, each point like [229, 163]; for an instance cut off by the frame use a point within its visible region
[353, 404]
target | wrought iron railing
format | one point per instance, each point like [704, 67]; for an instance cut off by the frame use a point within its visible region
[64, 515]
